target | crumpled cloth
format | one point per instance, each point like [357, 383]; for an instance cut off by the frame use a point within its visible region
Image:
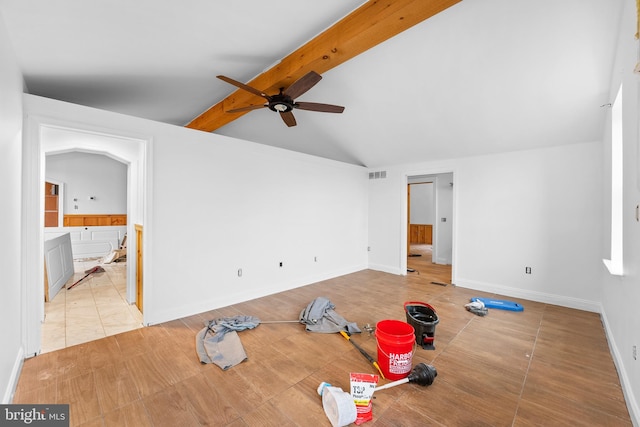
[477, 308]
[320, 316]
[218, 341]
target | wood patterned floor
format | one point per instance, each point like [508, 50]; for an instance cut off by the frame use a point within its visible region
[546, 366]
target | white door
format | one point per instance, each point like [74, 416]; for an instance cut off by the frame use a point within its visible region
[58, 262]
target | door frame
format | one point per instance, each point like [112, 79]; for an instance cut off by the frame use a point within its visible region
[404, 228]
[35, 147]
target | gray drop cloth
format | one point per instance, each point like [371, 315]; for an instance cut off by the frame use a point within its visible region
[218, 341]
[320, 316]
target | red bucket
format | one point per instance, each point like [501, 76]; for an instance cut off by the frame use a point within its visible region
[396, 340]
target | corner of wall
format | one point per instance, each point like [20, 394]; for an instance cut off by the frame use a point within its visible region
[13, 379]
[625, 382]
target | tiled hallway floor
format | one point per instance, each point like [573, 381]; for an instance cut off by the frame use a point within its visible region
[93, 309]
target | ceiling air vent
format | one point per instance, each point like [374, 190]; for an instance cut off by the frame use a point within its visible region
[378, 175]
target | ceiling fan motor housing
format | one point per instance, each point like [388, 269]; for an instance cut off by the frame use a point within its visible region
[281, 103]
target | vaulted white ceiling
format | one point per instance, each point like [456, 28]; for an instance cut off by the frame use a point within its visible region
[483, 76]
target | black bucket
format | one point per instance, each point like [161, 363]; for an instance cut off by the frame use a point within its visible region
[424, 319]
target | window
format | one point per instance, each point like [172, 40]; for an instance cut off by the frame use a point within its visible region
[615, 263]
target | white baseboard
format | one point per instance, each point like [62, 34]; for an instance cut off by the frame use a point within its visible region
[627, 390]
[13, 379]
[564, 301]
[387, 269]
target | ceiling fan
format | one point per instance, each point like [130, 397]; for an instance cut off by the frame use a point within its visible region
[284, 102]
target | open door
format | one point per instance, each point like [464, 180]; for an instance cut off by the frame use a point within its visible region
[58, 261]
[51, 204]
[408, 219]
[139, 281]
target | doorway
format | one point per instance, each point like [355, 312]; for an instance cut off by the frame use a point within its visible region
[89, 306]
[45, 135]
[430, 222]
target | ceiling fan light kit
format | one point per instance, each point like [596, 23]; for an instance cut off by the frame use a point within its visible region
[284, 102]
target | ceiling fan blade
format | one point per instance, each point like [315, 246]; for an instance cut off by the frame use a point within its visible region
[247, 108]
[244, 87]
[303, 84]
[314, 106]
[288, 118]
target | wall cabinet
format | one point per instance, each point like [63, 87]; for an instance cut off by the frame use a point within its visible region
[80, 220]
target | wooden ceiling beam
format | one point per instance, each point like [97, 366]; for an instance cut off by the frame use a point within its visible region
[367, 26]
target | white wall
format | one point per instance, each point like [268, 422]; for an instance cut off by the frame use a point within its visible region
[621, 294]
[387, 213]
[214, 205]
[11, 350]
[539, 208]
[85, 175]
[443, 230]
[422, 208]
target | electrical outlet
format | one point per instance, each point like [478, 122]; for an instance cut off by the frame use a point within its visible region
[315, 259]
[527, 270]
[635, 353]
[239, 272]
[280, 263]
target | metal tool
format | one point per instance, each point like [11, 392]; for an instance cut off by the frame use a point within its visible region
[96, 269]
[361, 350]
[266, 322]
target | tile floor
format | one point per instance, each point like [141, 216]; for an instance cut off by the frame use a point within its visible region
[93, 309]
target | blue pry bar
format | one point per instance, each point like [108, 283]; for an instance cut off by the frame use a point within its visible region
[499, 303]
